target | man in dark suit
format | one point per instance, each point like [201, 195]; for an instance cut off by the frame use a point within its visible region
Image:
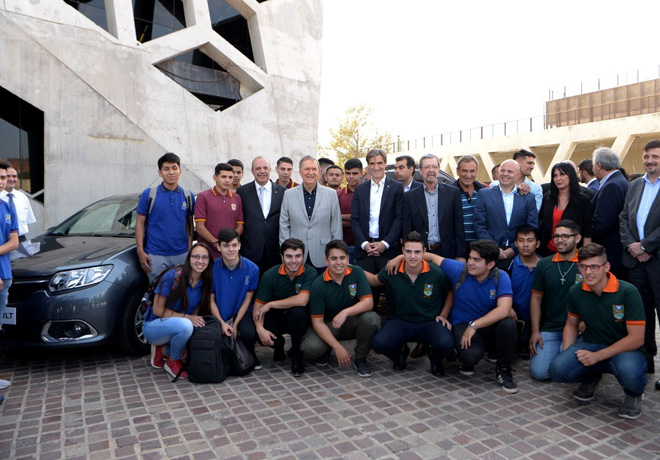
[501, 209]
[376, 217]
[404, 172]
[262, 200]
[640, 235]
[608, 204]
[434, 211]
[586, 174]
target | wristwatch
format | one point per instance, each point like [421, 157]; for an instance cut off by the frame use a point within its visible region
[472, 325]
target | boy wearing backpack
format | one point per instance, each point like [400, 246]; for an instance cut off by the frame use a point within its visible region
[163, 230]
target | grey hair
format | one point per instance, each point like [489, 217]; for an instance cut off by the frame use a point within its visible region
[308, 157]
[607, 158]
[467, 159]
[427, 156]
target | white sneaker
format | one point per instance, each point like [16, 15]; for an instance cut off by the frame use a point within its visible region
[4, 384]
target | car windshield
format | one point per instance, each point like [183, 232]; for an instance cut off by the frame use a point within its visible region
[113, 216]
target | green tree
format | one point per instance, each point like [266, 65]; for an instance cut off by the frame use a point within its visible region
[356, 135]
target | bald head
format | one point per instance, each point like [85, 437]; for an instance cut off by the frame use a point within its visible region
[261, 170]
[509, 171]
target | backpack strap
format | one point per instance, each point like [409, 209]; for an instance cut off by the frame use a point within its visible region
[189, 208]
[461, 279]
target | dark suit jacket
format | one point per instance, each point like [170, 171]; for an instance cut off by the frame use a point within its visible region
[389, 220]
[260, 235]
[580, 211]
[628, 223]
[587, 191]
[450, 218]
[413, 185]
[490, 217]
[608, 204]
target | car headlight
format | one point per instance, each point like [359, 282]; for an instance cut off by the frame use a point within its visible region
[81, 277]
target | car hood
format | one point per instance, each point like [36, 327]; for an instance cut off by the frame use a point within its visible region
[58, 253]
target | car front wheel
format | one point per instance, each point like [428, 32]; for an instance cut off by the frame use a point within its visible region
[131, 335]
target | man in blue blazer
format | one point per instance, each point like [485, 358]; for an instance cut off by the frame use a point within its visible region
[500, 210]
[608, 204]
[376, 217]
[404, 172]
[440, 224]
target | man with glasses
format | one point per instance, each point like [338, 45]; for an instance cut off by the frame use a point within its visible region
[553, 278]
[613, 314]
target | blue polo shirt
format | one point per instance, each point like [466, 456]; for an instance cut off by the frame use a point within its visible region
[165, 287]
[165, 234]
[8, 226]
[474, 299]
[521, 285]
[231, 286]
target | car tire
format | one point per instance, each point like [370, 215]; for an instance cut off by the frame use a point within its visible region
[131, 338]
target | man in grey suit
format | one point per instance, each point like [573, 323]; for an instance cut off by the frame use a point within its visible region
[640, 235]
[310, 212]
[261, 200]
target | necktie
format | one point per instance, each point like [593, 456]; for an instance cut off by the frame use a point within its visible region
[11, 201]
[262, 191]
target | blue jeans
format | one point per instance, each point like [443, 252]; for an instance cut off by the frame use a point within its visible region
[396, 332]
[4, 295]
[175, 331]
[539, 365]
[629, 368]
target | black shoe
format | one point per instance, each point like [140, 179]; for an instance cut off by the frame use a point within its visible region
[586, 391]
[400, 363]
[278, 353]
[436, 367]
[465, 369]
[362, 367]
[297, 367]
[505, 380]
[257, 365]
[323, 359]
[657, 385]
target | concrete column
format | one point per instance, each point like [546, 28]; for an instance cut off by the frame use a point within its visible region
[121, 22]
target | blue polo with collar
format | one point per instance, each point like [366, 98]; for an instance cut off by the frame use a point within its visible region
[231, 286]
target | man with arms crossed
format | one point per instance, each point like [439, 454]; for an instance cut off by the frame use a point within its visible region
[554, 277]
[341, 307]
[281, 304]
[24, 213]
[613, 343]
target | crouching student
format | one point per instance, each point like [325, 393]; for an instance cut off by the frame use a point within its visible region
[180, 301]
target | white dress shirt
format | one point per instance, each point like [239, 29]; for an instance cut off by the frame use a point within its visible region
[24, 213]
[268, 191]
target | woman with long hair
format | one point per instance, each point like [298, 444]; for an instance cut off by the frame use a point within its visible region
[182, 298]
[565, 200]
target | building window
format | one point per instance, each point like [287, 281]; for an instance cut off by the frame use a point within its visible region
[22, 141]
[231, 26]
[155, 18]
[92, 9]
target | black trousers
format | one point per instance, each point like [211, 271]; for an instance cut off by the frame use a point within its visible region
[373, 265]
[646, 278]
[501, 336]
[294, 320]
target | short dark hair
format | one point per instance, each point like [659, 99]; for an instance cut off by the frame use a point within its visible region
[169, 157]
[569, 224]
[410, 161]
[325, 161]
[375, 152]
[413, 237]
[4, 164]
[494, 168]
[334, 167]
[284, 160]
[655, 144]
[236, 162]
[526, 230]
[292, 243]
[487, 250]
[352, 164]
[227, 235]
[467, 159]
[523, 153]
[223, 167]
[335, 244]
[587, 165]
[591, 250]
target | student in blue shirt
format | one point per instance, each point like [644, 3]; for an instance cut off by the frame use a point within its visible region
[182, 298]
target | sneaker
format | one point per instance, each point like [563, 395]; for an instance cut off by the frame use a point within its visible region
[174, 366]
[362, 367]
[157, 356]
[323, 359]
[297, 367]
[4, 384]
[257, 365]
[657, 385]
[505, 380]
[465, 369]
[586, 391]
[436, 366]
[491, 358]
[631, 407]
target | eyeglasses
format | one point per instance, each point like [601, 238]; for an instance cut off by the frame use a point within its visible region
[199, 257]
[563, 236]
[592, 267]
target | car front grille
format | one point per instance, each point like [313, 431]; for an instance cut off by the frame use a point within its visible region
[21, 289]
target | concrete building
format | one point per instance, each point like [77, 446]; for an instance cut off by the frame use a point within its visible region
[92, 92]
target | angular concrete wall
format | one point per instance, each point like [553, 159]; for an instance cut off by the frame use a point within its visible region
[110, 113]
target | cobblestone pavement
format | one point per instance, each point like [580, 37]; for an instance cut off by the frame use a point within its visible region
[96, 403]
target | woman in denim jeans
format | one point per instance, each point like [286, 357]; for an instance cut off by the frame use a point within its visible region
[181, 300]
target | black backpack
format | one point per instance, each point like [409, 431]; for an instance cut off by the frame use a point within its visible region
[208, 360]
